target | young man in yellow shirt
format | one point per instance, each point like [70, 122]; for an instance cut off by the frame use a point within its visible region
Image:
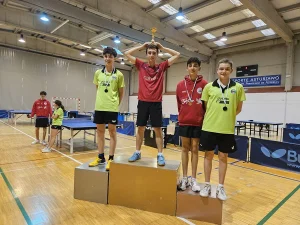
[110, 88]
[223, 100]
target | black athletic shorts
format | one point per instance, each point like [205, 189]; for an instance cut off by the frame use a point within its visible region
[104, 117]
[152, 109]
[56, 127]
[225, 142]
[190, 131]
[41, 122]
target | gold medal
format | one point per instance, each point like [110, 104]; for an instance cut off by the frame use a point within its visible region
[190, 103]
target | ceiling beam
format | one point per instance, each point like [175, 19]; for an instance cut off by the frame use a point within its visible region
[5, 2]
[264, 10]
[190, 9]
[80, 16]
[236, 34]
[59, 26]
[296, 19]
[247, 42]
[289, 8]
[99, 37]
[250, 47]
[224, 26]
[157, 5]
[212, 17]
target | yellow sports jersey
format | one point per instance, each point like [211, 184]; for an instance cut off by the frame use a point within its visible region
[217, 119]
[107, 98]
[58, 121]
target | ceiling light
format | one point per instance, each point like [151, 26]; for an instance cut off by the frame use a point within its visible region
[258, 23]
[268, 32]
[117, 40]
[224, 37]
[160, 54]
[44, 17]
[209, 36]
[98, 50]
[169, 9]
[248, 13]
[82, 53]
[180, 15]
[236, 2]
[219, 43]
[85, 46]
[21, 39]
[197, 28]
[122, 62]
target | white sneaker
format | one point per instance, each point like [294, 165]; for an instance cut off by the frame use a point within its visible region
[195, 186]
[46, 150]
[43, 142]
[205, 192]
[183, 184]
[221, 194]
[35, 142]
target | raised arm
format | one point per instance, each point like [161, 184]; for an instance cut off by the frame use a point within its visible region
[175, 54]
[129, 53]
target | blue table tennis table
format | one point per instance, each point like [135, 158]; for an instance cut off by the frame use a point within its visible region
[77, 125]
[264, 127]
[12, 115]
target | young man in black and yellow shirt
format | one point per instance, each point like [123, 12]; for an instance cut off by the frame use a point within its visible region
[223, 100]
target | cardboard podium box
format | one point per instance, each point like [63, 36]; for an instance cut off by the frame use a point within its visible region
[91, 183]
[191, 205]
[144, 185]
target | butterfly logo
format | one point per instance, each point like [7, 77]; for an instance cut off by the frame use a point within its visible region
[275, 155]
[296, 137]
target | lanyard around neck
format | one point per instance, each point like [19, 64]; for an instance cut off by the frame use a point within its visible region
[106, 83]
[223, 97]
[190, 97]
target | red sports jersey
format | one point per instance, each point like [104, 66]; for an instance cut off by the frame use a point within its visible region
[42, 108]
[151, 80]
[191, 113]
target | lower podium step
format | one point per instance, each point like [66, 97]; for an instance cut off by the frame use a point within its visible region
[191, 205]
[144, 185]
[91, 183]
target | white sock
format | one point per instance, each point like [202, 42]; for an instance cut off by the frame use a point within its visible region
[160, 153]
[207, 183]
[193, 178]
[220, 185]
[138, 151]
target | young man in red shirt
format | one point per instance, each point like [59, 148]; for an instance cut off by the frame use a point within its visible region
[190, 118]
[43, 111]
[151, 79]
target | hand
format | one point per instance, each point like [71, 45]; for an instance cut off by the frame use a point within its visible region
[146, 44]
[159, 45]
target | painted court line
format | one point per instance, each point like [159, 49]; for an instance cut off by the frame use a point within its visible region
[186, 221]
[34, 139]
[21, 207]
[275, 209]
[272, 174]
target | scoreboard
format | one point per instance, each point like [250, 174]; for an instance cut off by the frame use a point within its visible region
[242, 71]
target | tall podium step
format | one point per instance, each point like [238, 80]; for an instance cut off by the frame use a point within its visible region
[91, 183]
[191, 205]
[144, 185]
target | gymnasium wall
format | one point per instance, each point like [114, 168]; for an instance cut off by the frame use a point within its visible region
[274, 107]
[23, 75]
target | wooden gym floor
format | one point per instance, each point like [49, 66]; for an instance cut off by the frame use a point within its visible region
[37, 188]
